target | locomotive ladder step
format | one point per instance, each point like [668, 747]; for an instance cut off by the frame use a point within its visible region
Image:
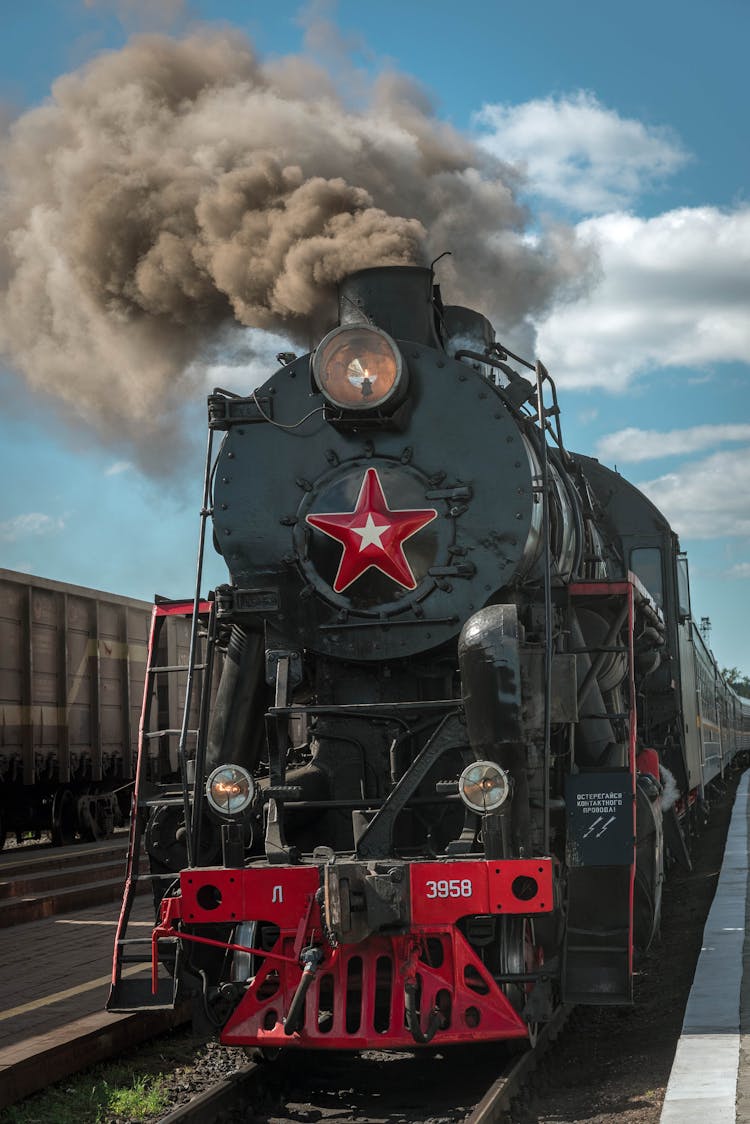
[171, 877]
[175, 667]
[144, 940]
[174, 733]
[159, 801]
[144, 957]
[598, 648]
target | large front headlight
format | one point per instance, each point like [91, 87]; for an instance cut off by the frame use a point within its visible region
[230, 790]
[484, 787]
[359, 368]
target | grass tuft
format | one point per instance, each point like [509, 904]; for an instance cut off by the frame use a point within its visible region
[139, 1098]
[133, 1091]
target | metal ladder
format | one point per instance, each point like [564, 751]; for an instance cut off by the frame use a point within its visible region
[131, 983]
[131, 987]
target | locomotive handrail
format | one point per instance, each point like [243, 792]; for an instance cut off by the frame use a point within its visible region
[190, 835]
[366, 708]
[200, 748]
[369, 803]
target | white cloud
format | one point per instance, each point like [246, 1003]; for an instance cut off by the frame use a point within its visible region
[118, 468]
[578, 153]
[32, 523]
[674, 290]
[739, 570]
[629, 445]
[706, 498]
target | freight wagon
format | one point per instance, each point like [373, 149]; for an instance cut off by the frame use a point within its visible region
[72, 667]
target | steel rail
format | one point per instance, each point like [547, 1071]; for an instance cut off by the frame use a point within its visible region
[497, 1100]
[205, 1107]
[491, 1109]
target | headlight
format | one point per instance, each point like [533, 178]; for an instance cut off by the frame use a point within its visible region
[230, 790]
[483, 786]
[358, 368]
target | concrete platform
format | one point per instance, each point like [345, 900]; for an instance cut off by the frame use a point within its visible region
[44, 881]
[710, 1078]
[54, 981]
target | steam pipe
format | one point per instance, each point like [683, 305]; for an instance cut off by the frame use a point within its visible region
[598, 661]
[541, 373]
[232, 737]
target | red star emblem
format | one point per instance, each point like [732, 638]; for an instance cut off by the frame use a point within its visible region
[373, 535]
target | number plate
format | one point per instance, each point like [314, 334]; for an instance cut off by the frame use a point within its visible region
[443, 892]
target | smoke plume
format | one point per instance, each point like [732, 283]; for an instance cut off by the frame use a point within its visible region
[174, 187]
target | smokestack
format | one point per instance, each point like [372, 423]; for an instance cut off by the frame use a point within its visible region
[398, 299]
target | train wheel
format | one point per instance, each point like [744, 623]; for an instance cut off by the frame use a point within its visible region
[519, 954]
[64, 818]
[87, 817]
[265, 1055]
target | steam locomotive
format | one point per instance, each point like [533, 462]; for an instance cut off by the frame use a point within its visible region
[453, 709]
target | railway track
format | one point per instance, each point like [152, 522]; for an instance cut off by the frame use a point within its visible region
[474, 1085]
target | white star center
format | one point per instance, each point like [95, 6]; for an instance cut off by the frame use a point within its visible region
[370, 533]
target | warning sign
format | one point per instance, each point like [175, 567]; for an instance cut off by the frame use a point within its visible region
[600, 819]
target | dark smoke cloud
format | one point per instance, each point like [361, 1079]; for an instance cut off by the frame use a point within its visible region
[177, 186]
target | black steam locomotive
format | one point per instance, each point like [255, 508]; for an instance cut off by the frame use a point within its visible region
[448, 718]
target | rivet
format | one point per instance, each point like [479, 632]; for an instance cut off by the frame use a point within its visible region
[227, 531]
[230, 456]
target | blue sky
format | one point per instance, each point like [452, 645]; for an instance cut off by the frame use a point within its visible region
[628, 126]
